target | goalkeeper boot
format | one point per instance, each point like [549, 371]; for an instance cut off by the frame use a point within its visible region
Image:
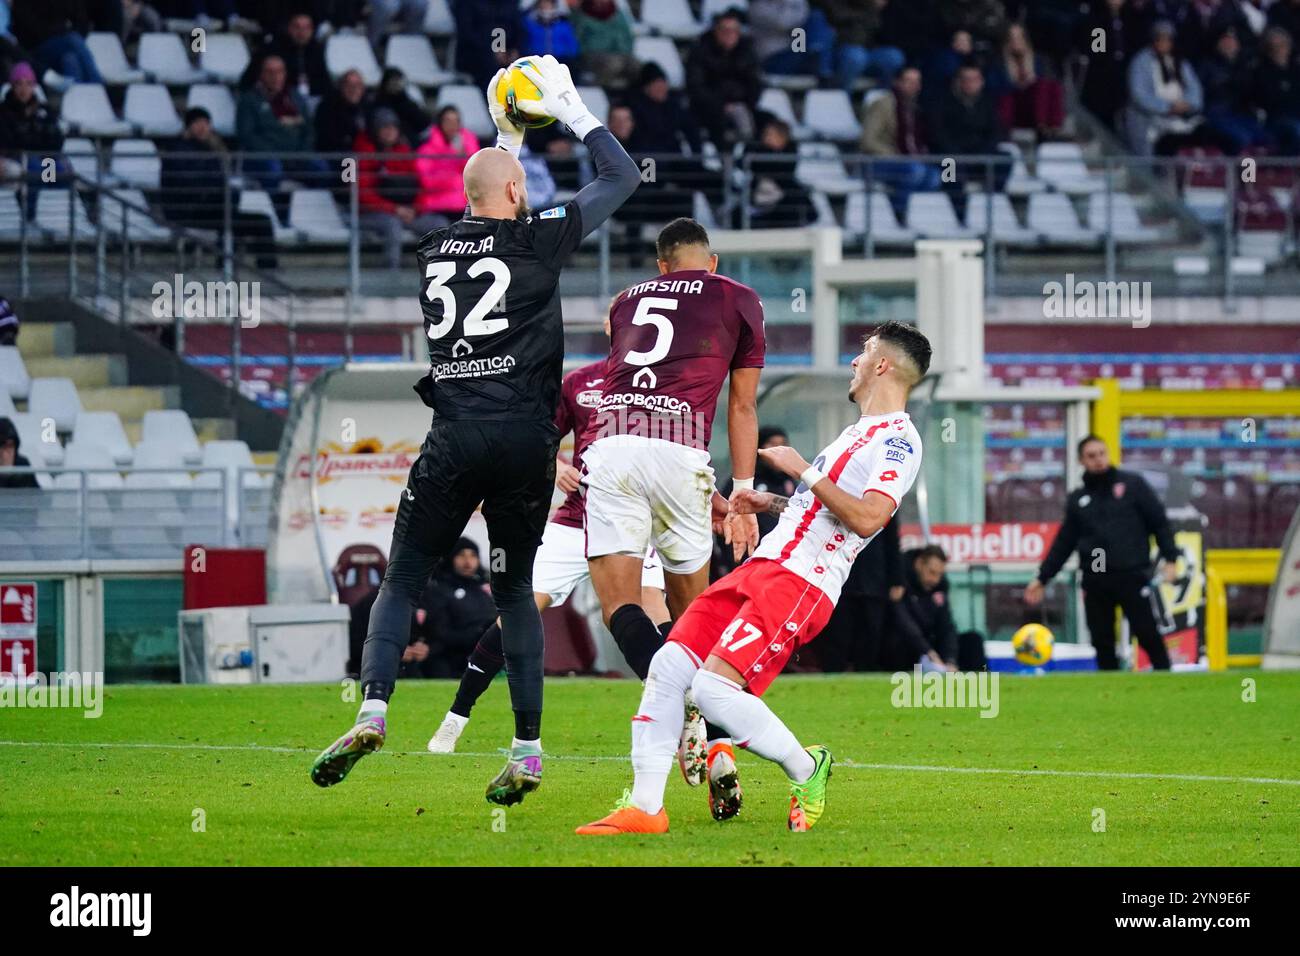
[808, 799]
[692, 752]
[334, 763]
[724, 782]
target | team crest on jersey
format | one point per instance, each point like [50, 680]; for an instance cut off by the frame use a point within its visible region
[558, 212]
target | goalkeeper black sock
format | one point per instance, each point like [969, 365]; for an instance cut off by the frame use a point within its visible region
[636, 636]
[485, 662]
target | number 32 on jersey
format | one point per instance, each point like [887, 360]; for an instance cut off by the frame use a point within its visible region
[476, 322]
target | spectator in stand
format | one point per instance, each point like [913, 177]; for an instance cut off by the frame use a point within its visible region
[723, 82]
[303, 56]
[54, 30]
[1028, 98]
[856, 49]
[1226, 79]
[459, 609]
[384, 13]
[547, 30]
[1286, 15]
[392, 95]
[1165, 98]
[857, 632]
[894, 125]
[441, 164]
[924, 632]
[1277, 90]
[388, 187]
[984, 20]
[778, 199]
[605, 41]
[767, 478]
[966, 123]
[941, 64]
[8, 323]
[1051, 24]
[341, 115]
[194, 181]
[1119, 29]
[772, 24]
[271, 118]
[9, 458]
[537, 179]
[138, 18]
[1254, 14]
[488, 34]
[29, 126]
[661, 121]
[1200, 23]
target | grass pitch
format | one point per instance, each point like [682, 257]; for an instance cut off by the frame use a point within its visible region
[1177, 768]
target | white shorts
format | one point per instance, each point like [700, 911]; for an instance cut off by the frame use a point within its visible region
[648, 492]
[561, 564]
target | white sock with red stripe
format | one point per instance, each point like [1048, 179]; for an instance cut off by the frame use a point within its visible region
[752, 723]
[657, 726]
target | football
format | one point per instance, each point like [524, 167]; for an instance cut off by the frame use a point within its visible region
[515, 92]
[1033, 645]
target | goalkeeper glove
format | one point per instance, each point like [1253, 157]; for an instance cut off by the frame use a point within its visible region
[560, 98]
[509, 136]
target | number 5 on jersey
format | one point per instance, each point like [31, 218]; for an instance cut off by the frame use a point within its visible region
[440, 273]
[663, 338]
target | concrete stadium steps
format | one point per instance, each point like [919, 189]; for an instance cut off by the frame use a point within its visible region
[38, 340]
[130, 401]
[85, 371]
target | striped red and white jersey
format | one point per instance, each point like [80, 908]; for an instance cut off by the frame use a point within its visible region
[877, 453]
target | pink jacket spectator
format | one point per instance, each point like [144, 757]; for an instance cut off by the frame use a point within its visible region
[442, 172]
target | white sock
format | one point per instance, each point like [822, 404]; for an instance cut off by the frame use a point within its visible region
[525, 747]
[752, 723]
[456, 719]
[657, 726]
[373, 708]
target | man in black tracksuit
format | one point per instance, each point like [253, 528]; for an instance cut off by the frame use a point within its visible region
[1110, 522]
[855, 637]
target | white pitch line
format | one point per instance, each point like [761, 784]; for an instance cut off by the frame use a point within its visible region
[588, 758]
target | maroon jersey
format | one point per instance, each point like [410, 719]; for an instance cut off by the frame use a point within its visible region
[673, 341]
[579, 395]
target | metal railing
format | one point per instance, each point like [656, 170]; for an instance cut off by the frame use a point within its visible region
[95, 513]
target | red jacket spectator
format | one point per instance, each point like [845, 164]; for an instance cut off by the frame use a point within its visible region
[385, 184]
[442, 165]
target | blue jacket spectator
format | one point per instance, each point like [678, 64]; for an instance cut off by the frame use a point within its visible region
[547, 30]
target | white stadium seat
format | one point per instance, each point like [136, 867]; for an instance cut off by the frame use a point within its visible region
[885, 229]
[672, 18]
[1061, 165]
[256, 200]
[777, 102]
[820, 166]
[173, 428]
[596, 101]
[226, 57]
[1006, 226]
[140, 225]
[1124, 221]
[711, 8]
[149, 107]
[663, 51]
[7, 407]
[345, 52]
[104, 429]
[164, 58]
[83, 157]
[218, 101]
[438, 19]
[312, 212]
[33, 448]
[159, 454]
[52, 208]
[829, 113]
[14, 380]
[472, 105]
[931, 216]
[88, 454]
[55, 398]
[136, 162]
[413, 55]
[110, 59]
[85, 108]
[1053, 215]
[1019, 182]
[11, 216]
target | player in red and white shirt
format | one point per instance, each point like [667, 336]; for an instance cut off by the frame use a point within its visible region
[738, 635]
